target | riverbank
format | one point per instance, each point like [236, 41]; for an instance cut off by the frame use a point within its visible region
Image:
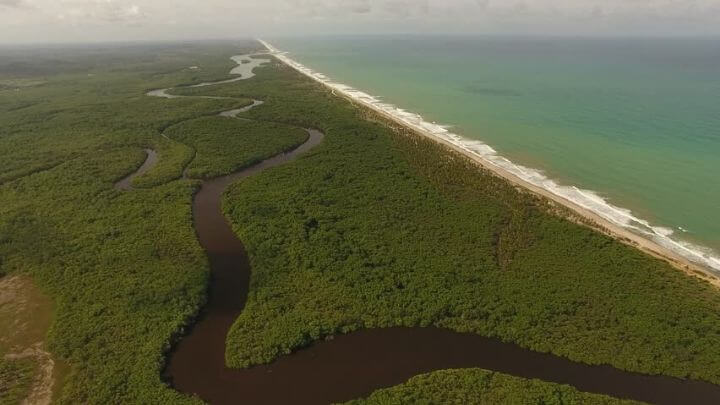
[368, 230]
[348, 362]
[584, 215]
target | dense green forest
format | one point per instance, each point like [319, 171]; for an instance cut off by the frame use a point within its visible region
[173, 158]
[482, 387]
[224, 145]
[125, 268]
[373, 228]
[376, 229]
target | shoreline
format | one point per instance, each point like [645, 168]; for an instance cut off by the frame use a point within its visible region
[197, 363]
[591, 218]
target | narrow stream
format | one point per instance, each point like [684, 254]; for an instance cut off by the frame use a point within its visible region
[150, 161]
[352, 366]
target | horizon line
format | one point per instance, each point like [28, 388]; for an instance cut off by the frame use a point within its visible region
[373, 35]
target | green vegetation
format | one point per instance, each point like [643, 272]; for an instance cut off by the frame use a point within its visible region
[224, 145]
[99, 105]
[377, 229]
[370, 229]
[125, 268]
[15, 379]
[124, 283]
[173, 157]
[480, 387]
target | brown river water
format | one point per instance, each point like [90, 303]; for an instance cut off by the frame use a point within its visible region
[352, 366]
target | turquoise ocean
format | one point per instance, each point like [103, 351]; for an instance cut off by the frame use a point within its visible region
[631, 123]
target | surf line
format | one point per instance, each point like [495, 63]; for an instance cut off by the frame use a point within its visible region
[655, 240]
[353, 365]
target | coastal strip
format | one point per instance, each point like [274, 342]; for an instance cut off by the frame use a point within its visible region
[356, 364]
[614, 221]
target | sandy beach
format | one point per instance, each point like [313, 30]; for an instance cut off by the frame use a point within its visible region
[586, 216]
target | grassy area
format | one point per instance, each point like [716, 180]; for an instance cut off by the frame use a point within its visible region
[482, 387]
[26, 315]
[15, 380]
[377, 229]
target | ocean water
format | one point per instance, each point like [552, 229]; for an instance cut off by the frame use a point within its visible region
[627, 127]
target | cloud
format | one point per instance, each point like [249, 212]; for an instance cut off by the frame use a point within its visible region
[14, 3]
[167, 19]
[406, 8]
[483, 4]
[324, 8]
[99, 11]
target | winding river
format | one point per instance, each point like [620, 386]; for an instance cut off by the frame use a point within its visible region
[150, 161]
[352, 366]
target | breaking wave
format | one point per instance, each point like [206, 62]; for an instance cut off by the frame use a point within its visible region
[586, 199]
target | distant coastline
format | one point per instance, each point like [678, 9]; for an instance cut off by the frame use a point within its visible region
[595, 211]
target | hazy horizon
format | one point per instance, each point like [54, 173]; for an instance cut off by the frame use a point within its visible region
[270, 38]
[97, 21]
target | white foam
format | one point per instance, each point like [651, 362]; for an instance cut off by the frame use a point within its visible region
[586, 199]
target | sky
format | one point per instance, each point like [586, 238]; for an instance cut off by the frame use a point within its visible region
[123, 20]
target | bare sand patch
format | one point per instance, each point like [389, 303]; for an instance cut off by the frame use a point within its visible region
[28, 313]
